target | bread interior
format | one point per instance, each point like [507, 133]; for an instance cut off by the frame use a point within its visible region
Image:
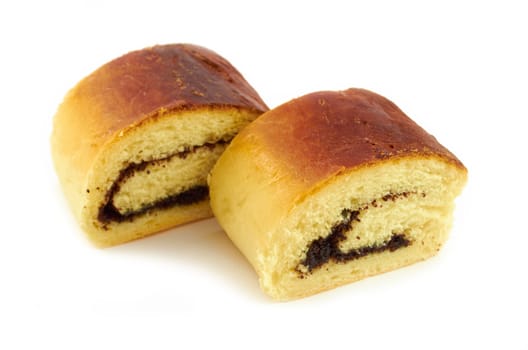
[154, 175]
[364, 222]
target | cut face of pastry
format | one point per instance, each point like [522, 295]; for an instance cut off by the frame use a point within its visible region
[334, 187]
[175, 180]
[347, 231]
[134, 141]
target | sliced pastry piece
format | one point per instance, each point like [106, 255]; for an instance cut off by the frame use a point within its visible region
[133, 142]
[333, 187]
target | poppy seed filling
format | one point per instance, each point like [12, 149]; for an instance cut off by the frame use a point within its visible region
[325, 249]
[108, 212]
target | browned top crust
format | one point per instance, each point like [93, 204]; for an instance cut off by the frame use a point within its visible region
[323, 133]
[142, 83]
[138, 88]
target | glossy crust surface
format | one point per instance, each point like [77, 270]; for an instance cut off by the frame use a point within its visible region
[143, 84]
[139, 84]
[365, 127]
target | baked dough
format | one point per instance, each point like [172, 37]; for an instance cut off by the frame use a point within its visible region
[333, 187]
[134, 141]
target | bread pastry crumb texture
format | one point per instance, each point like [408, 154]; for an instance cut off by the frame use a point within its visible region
[334, 187]
[134, 141]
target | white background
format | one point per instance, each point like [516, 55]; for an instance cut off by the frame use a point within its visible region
[458, 68]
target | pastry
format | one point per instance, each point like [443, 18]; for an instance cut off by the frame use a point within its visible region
[133, 142]
[333, 187]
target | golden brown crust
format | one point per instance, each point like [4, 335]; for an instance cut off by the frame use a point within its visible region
[139, 84]
[325, 132]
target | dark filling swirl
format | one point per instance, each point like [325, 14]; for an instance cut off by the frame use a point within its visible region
[324, 249]
[109, 213]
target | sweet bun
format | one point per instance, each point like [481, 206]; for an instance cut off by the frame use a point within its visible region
[133, 142]
[333, 187]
